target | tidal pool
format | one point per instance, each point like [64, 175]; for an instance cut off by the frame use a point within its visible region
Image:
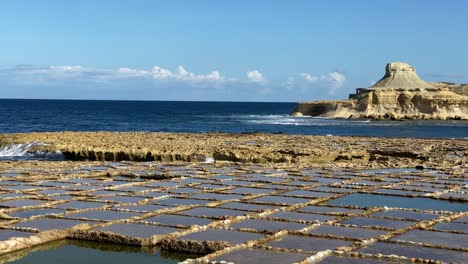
[79, 252]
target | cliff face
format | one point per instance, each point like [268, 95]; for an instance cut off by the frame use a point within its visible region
[396, 96]
[393, 104]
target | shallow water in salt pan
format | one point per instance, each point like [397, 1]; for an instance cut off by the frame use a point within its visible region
[79, 252]
[364, 200]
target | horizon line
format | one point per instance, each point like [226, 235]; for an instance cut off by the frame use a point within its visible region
[143, 100]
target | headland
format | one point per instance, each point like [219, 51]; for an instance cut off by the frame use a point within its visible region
[399, 95]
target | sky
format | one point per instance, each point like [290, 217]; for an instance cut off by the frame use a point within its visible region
[223, 50]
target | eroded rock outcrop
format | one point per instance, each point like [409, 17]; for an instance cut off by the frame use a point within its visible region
[400, 94]
[252, 147]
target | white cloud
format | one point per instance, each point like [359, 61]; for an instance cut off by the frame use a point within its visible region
[66, 68]
[182, 74]
[304, 81]
[27, 74]
[256, 77]
[336, 79]
[309, 78]
[133, 72]
[161, 73]
[161, 78]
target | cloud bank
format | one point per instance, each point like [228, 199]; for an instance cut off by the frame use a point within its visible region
[163, 83]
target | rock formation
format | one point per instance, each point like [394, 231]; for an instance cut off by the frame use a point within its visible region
[400, 75]
[299, 150]
[400, 94]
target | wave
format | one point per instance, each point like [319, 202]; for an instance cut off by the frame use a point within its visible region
[272, 119]
[24, 152]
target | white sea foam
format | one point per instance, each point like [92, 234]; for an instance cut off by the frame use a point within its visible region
[289, 120]
[23, 151]
[209, 160]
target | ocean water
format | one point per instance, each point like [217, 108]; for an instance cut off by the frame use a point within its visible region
[232, 117]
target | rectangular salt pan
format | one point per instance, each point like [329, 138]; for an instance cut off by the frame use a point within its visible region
[81, 205]
[6, 234]
[51, 223]
[249, 256]
[365, 200]
[173, 220]
[268, 225]
[347, 232]
[311, 244]
[230, 236]
[294, 216]
[21, 202]
[399, 214]
[212, 212]
[104, 215]
[138, 230]
[281, 200]
[411, 251]
[35, 212]
[436, 238]
[374, 222]
[122, 199]
[247, 206]
[330, 210]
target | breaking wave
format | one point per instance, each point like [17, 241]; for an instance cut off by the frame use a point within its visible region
[24, 152]
[296, 120]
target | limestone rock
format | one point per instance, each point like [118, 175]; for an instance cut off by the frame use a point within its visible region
[400, 94]
[400, 75]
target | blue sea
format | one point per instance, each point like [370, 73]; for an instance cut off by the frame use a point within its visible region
[17, 115]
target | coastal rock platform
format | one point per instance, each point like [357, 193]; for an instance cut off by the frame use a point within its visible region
[365, 152]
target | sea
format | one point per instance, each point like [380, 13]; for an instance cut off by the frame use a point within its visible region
[21, 115]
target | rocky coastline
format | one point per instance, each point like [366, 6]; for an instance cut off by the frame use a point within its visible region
[335, 151]
[399, 95]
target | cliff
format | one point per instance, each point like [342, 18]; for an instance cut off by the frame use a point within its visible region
[400, 94]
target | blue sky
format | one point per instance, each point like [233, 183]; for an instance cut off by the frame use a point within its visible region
[223, 50]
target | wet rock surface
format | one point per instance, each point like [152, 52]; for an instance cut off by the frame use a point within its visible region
[210, 209]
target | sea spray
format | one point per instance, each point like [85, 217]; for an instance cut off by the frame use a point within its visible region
[17, 150]
[24, 151]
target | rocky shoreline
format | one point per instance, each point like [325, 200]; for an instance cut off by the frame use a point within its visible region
[300, 150]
